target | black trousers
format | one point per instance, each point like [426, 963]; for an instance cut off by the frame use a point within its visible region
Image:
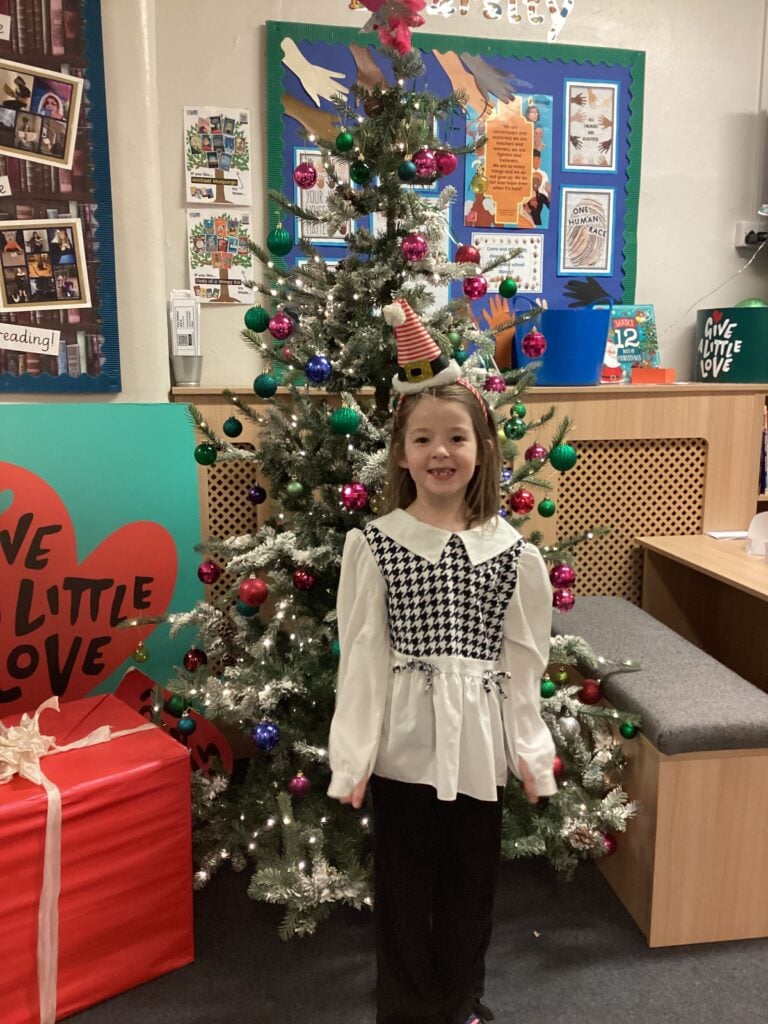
[435, 871]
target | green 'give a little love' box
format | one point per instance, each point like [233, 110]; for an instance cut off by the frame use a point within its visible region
[732, 345]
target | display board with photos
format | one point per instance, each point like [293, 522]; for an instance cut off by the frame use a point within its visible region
[58, 317]
[555, 185]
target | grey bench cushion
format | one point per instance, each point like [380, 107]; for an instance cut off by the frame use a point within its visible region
[687, 700]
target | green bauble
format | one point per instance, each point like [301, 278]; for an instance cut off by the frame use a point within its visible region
[749, 303]
[455, 338]
[256, 319]
[563, 457]
[345, 420]
[279, 241]
[233, 427]
[175, 705]
[520, 409]
[407, 171]
[514, 429]
[546, 507]
[460, 355]
[344, 142]
[294, 489]
[205, 454]
[627, 730]
[265, 385]
[548, 688]
[336, 650]
[360, 172]
[508, 288]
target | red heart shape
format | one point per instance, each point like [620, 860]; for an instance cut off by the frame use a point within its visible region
[58, 617]
[717, 315]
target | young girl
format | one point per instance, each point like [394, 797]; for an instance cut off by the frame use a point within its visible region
[444, 616]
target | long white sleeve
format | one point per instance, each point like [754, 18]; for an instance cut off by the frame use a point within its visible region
[364, 667]
[527, 630]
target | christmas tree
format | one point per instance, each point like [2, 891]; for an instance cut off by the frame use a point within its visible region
[266, 654]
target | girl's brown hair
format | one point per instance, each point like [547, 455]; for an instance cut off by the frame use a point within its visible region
[483, 494]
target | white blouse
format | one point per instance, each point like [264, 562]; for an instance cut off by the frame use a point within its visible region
[444, 638]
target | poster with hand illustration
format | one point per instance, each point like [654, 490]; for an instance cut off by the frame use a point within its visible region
[562, 128]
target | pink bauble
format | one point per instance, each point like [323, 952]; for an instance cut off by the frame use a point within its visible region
[467, 254]
[562, 575]
[534, 344]
[305, 175]
[558, 766]
[609, 843]
[521, 502]
[475, 287]
[303, 579]
[287, 354]
[208, 573]
[563, 600]
[253, 591]
[425, 163]
[281, 326]
[299, 786]
[414, 247]
[536, 451]
[354, 497]
[446, 162]
[494, 383]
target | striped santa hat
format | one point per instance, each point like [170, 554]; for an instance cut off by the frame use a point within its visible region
[421, 363]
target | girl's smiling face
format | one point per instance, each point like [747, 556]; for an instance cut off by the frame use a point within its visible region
[440, 449]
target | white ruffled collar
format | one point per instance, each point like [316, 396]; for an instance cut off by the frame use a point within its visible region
[481, 542]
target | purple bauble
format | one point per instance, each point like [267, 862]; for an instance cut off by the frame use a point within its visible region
[303, 579]
[534, 344]
[257, 494]
[305, 175]
[208, 573]
[414, 247]
[475, 287]
[563, 600]
[494, 383]
[265, 735]
[299, 786]
[354, 497]
[536, 451]
[425, 162]
[281, 326]
[562, 575]
[445, 162]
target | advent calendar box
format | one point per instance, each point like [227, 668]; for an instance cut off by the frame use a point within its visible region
[125, 905]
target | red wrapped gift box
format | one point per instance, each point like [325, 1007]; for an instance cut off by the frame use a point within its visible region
[125, 907]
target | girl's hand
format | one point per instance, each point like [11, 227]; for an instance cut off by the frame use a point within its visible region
[529, 783]
[356, 796]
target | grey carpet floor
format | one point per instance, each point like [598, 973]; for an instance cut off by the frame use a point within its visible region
[562, 953]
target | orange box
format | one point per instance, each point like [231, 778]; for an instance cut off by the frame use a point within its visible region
[652, 375]
[125, 907]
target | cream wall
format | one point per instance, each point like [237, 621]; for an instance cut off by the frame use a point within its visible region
[702, 166]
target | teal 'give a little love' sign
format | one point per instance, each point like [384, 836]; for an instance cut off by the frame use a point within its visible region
[732, 345]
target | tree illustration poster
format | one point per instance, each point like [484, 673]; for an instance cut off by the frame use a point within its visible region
[217, 151]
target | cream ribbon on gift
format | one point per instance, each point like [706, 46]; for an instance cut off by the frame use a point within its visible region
[21, 748]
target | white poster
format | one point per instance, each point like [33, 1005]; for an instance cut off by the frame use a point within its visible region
[217, 151]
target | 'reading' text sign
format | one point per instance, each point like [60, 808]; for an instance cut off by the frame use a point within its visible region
[59, 611]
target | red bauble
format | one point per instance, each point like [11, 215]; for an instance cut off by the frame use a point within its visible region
[253, 591]
[609, 843]
[534, 344]
[494, 383]
[521, 502]
[281, 326]
[467, 254]
[536, 451]
[194, 658]
[475, 287]
[303, 579]
[305, 175]
[558, 766]
[354, 497]
[563, 600]
[299, 786]
[414, 247]
[425, 162]
[208, 573]
[590, 692]
[446, 162]
[562, 575]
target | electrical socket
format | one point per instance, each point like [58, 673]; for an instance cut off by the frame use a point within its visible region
[748, 234]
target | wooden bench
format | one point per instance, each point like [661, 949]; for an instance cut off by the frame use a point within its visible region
[694, 862]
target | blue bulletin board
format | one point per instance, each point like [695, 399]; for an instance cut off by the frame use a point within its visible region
[558, 178]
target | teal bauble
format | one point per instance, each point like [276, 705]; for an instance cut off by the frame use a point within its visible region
[256, 319]
[205, 454]
[563, 457]
[515, 428]
[345, 420]
[246, 610]
[750, 303]
[344, 142]
[407, 171]
[294, 489]
[233, 427]
[336, 649]
[265, 385]
[546, 507]
[508, 288]
[279, 241]
[360, 172]
[460, 355]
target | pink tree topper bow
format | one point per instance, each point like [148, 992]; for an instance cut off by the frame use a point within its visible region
[393, 21]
